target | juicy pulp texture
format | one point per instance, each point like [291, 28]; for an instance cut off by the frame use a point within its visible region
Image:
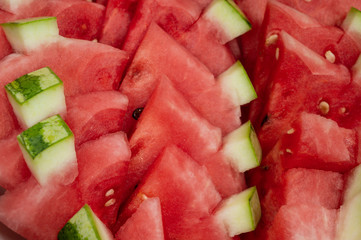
[29, 34]
[36, 96]
[49, 151]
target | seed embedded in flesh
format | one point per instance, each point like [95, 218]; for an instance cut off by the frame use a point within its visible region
[290, 131]
[137, 112]
[289, 151]
[330, 56]
[109, 192]
[272, 39]
[342, 110]
[110, 202]
[277, 55]
[324, 107]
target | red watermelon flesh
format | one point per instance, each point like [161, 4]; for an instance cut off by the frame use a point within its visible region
[313, 187]
[145, 223]
[166, 109]
[249, 42]
[95, 114]
[116, 21]
[13, 168]
[172, 16]
[300, 82]
[37, 212]
[160, 54]
[76, 19]
[187, 195]
[312, 145]
[330, 12]
[103, 164]
[299, 222]
[5, 47]
[199, 39]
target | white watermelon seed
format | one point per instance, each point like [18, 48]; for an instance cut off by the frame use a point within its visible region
[110, 202]
[272, 39]
[290, 131]
[324, 107]
[289, 151]
[277, 53]
[342, 110]
[330, 56]
[109, 192]
[308, 0]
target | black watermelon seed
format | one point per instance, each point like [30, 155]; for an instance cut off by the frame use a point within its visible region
[136, 113]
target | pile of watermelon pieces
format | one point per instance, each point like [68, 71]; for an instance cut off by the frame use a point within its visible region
[148, 115]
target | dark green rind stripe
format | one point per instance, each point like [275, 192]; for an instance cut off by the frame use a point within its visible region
[31, 84]
[241, 14]
[44, 134]
[80, 227]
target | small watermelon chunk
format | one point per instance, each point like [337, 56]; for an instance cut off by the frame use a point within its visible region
[103, 189]
[187, 196]
[145, 223]
[160, 54]
[37, 212]
[95, 114]
[294, 222]
[49, 151]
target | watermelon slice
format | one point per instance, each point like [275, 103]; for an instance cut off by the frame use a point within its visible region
[160, 54]
[167, 108]
[103, 190]
[186, 216]
[145, 223]
[95, 114]
[43, 210]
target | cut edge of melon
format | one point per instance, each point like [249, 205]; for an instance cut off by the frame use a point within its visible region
[240, 213]
[242, 148]
[236, 83]
[226, 15]
[54, 161]
[85, 223]
[352, 22]
[26, 35]
[13, 5]
[46, 100]
[349, 220]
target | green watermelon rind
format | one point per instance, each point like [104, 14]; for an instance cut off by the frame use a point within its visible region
[240, 213]
[236, 83]
[81, 226]
[26, 35]
[242, 148]
[352, 22]
[229, 17]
